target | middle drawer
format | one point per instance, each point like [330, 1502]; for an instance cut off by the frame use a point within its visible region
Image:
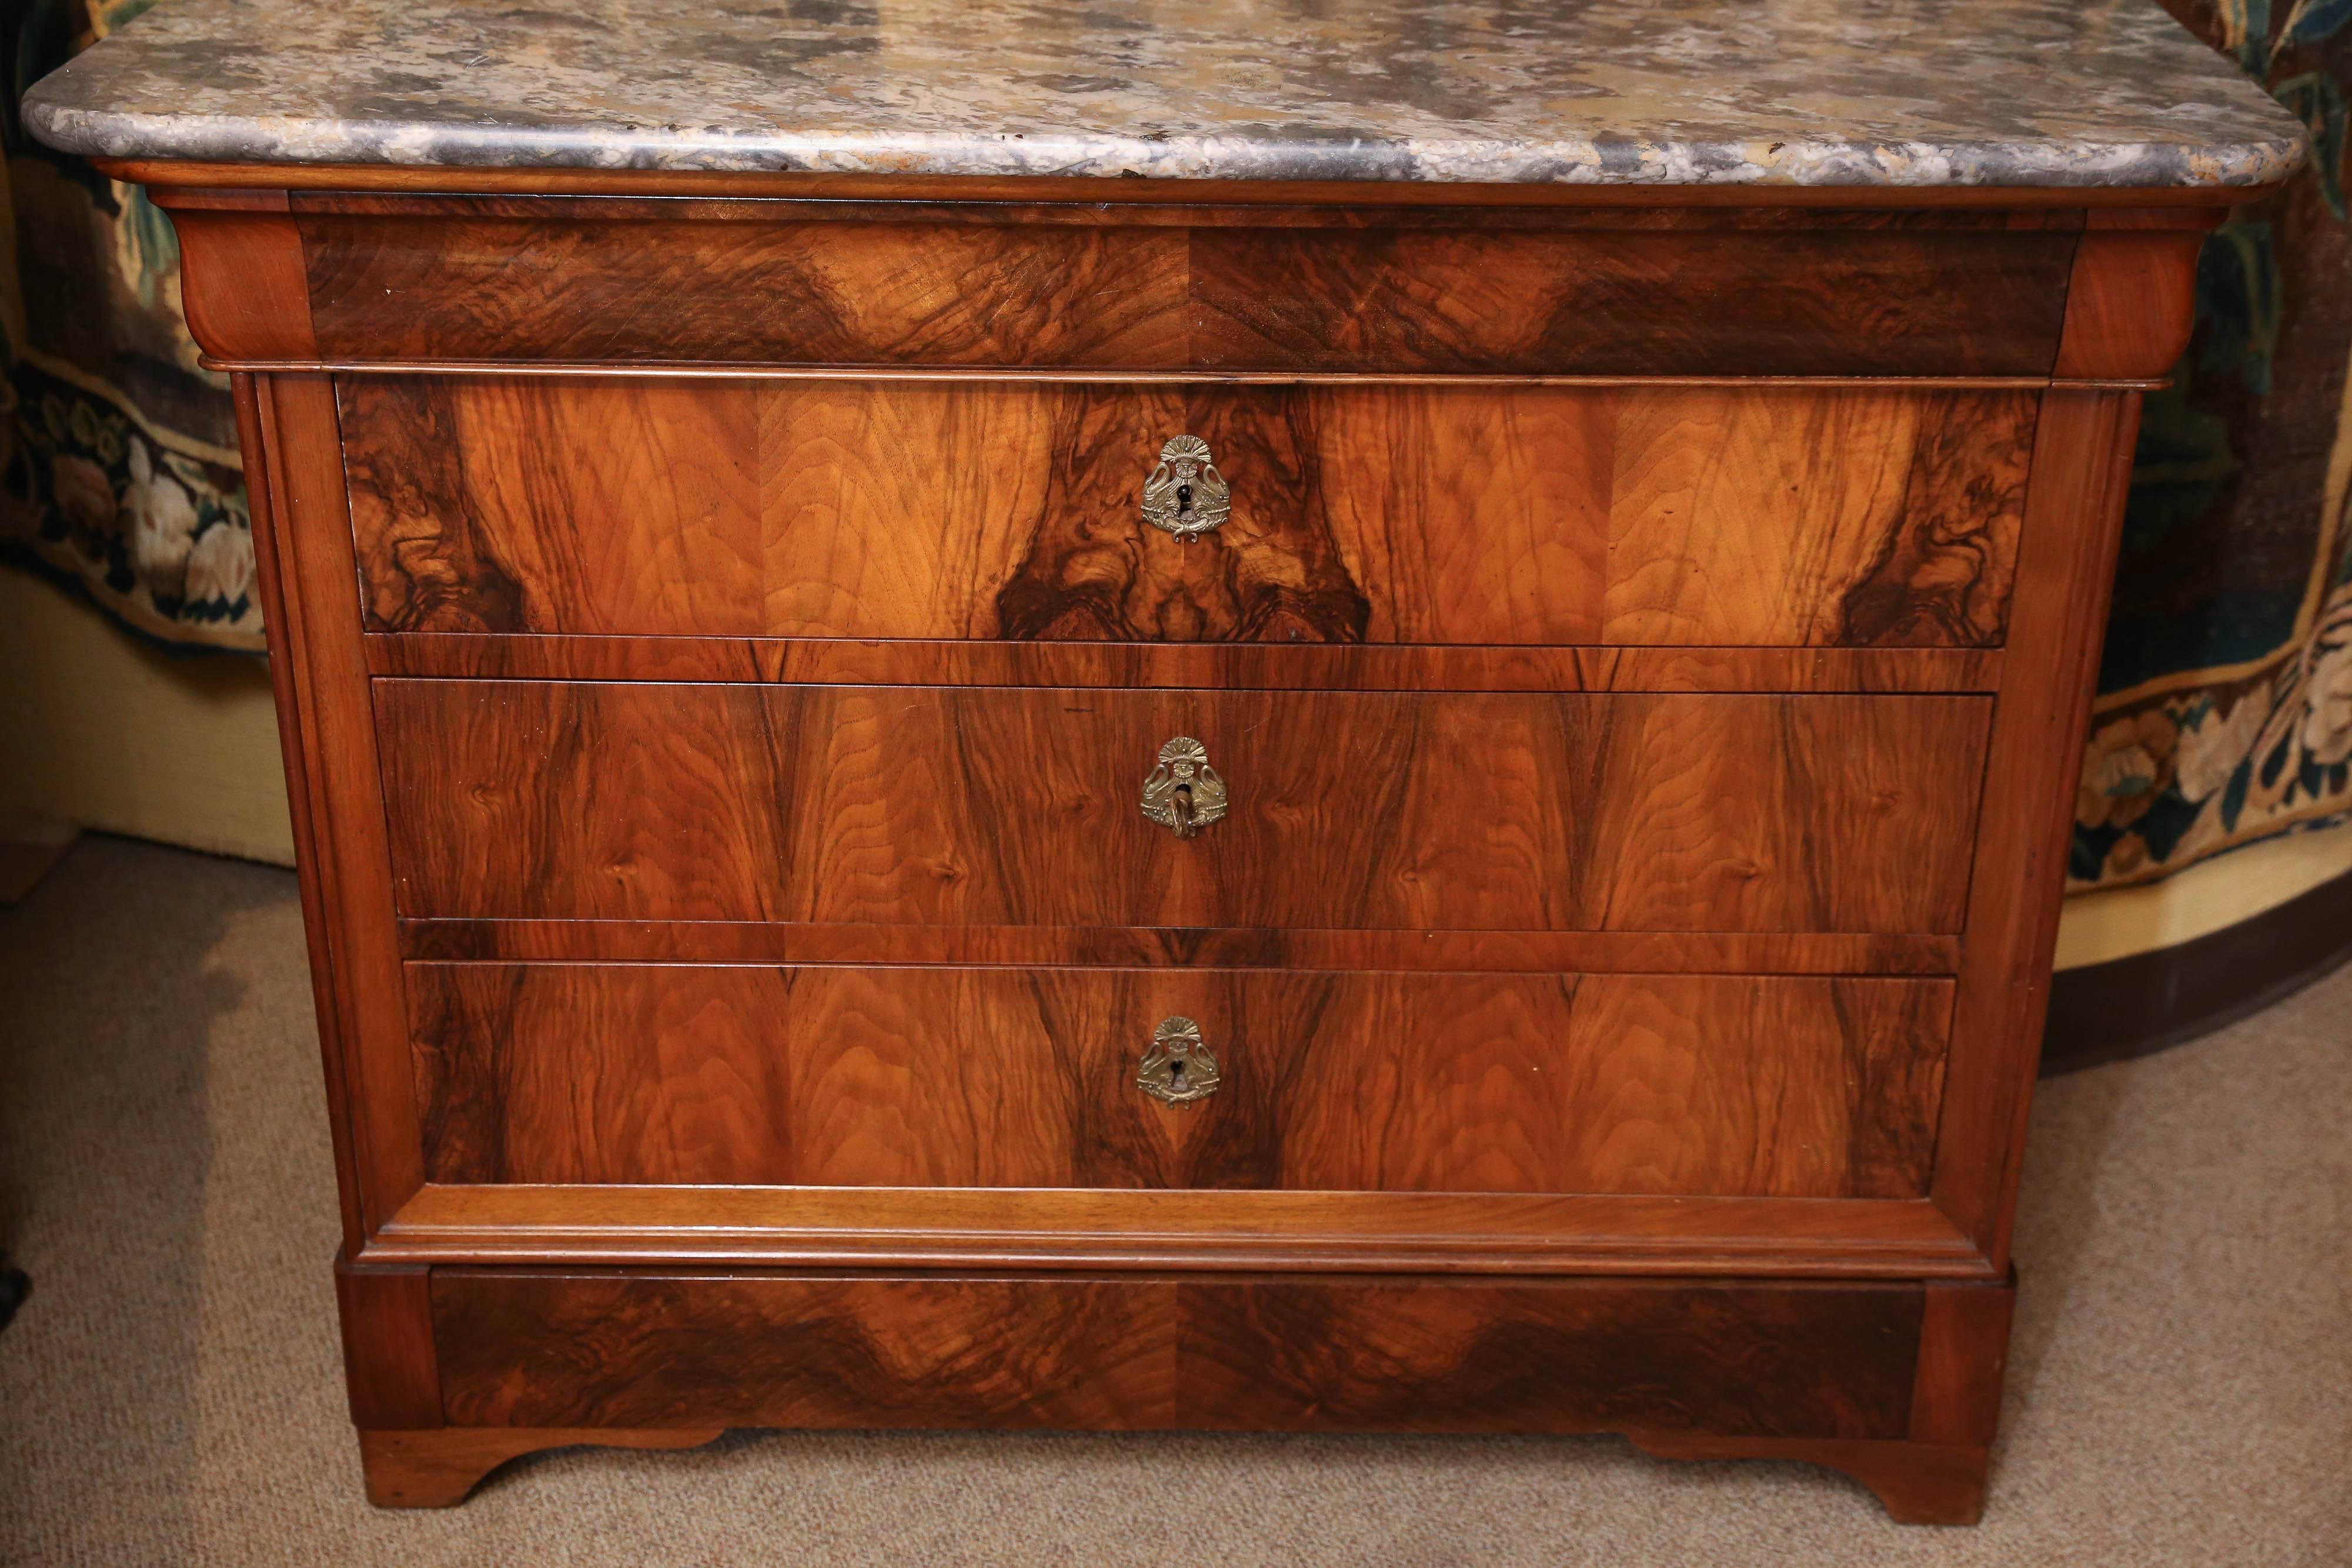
[993, 806]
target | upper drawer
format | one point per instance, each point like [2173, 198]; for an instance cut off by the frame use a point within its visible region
[914, 806]
[1739, 517]
[1102, 286]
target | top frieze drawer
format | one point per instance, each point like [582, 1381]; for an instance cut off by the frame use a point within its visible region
[1097, 288]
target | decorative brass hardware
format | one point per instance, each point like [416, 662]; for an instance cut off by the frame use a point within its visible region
[1184, 793]
[1186, 494]
[1178, 1069]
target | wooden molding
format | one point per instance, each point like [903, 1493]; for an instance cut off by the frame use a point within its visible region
[1242, 666]
[966, 1228]
[1175, 947]
[169, 175]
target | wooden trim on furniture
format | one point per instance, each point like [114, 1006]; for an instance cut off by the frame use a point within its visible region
[1484, 952]
[1253, 666]
[2073, 515]
[1180, 1229]
[167, 175]
[343, 834]
[296, 693]
[755, 370]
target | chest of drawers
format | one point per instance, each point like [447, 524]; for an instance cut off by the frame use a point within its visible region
[1234, 803]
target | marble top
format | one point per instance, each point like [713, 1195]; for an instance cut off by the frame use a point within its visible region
[1675, 93]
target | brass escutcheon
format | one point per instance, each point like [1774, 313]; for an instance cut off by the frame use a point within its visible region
[1178, 1069]
[1186, 494]
[1184, 794]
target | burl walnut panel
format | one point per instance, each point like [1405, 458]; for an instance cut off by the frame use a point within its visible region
[589, 1348]
[1770, 1086]
[1013, 807]
[852, 284]
[1407, 514]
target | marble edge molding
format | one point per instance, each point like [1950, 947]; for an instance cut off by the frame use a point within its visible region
[1271, 157]
[1901, 93]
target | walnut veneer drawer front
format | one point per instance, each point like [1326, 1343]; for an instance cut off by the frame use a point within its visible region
[1378, 291]
[749, 1075]
[1721, 515]
[1141, 1353]
[996, 806]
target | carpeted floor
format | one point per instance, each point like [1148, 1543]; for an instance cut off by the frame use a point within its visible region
[2181, 1389]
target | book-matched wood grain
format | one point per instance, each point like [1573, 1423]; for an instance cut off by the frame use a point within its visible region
[1553, 935]
[633, 1350]
[1010, 807]
[1545, 516]
[743, 1076]
[1718, 1371]
[439, 278]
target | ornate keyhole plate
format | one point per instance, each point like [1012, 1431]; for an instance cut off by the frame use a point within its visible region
[1186, 494]
[1184, 794]
[1178, 1069]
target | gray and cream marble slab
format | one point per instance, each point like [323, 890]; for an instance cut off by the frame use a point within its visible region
[1789, 92]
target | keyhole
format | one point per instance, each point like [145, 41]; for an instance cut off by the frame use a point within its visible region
[1184, 500]
[1183, 805]
[1176, 1072]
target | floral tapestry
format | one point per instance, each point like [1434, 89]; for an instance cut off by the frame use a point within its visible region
[2225, 698]
[119, 470]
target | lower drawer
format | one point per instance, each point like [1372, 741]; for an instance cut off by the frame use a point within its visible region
[612, 1348]
[1779, 1086]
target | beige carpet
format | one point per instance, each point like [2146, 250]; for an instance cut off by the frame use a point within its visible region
[2182, 1390]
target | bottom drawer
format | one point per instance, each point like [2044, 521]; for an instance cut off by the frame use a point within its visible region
[1764, 1086]
[636, 1350]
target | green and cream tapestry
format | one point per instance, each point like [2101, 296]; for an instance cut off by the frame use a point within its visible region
[2225, 697]
[119, 469]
